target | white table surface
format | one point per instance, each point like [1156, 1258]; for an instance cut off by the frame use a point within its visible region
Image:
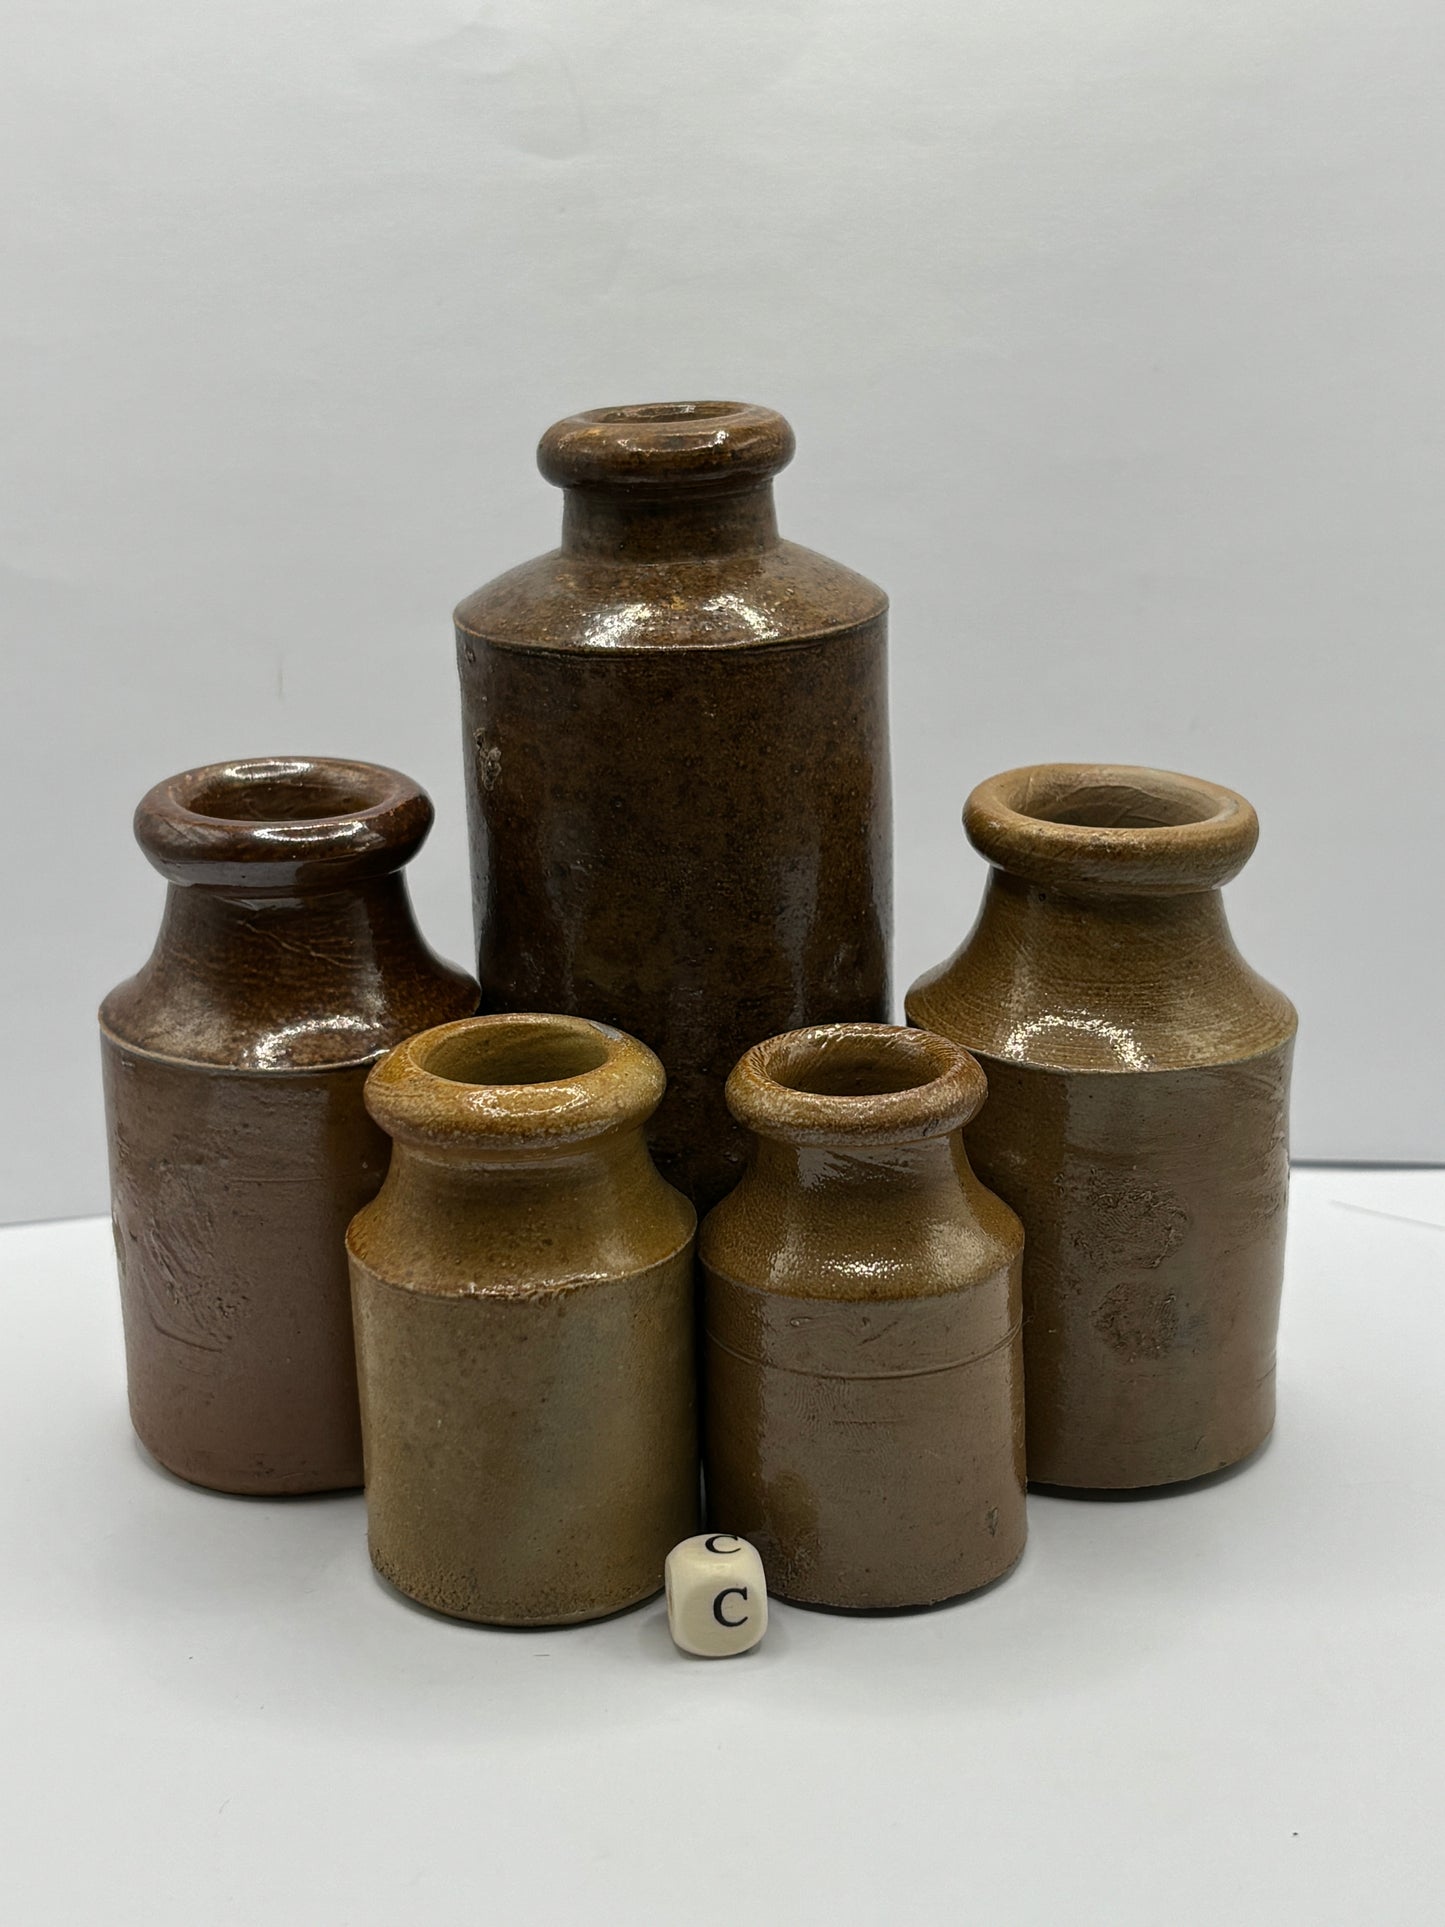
[1221, 1706]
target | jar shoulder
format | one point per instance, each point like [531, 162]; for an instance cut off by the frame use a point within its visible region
[863, 1245]
[566, 602]
[1074, 985]
[515, 1240]
[283, 991]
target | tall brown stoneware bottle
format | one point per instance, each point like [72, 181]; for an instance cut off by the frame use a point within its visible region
[524, 1325]
[677, 755]
[287, 962]
[1137, 1118]
[863, 1371]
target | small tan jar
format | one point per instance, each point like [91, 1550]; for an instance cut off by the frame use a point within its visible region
[522, 1289]
[863, 1369]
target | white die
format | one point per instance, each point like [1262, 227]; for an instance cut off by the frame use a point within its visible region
[717, 1599]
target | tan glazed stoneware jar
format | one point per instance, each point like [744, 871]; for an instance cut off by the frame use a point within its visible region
[1137, 1120]
[524, 1325]
[677, 760]
[287, 961]
[864, 1378]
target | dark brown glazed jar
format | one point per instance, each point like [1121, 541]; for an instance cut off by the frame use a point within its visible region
[863, 1372]
[677, 756]
[287, 961]
[524, 1325]
[1137, 1120]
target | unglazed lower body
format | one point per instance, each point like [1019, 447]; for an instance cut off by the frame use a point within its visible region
[231, 1192]
[871, 1451]
[1154, 1206]
[530, 1461]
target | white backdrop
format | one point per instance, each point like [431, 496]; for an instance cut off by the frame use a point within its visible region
[1111, 334]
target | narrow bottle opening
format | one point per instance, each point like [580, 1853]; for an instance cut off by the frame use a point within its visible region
[669, 411]
[1118, 805]
[852, 1067]
[280, 795]
[511, 1055]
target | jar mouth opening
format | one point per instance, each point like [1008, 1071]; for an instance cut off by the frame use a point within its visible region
[1114, 826]
[271, 823]
[835, 1082]
[666, 411]
[514, 1055]
[300, 791]
[513, 1081]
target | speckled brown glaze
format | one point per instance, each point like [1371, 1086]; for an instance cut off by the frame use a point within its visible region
[677, 753]
[1137, 1120]
[864, 1379]
[234, 1061]
[524, 1325]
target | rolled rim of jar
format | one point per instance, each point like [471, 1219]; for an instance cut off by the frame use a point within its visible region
[666, 445]
[513, 1081]
[839, 1083]
[1116, 827]
[273, 823]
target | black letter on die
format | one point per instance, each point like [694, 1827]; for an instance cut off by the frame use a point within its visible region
[729, 1592]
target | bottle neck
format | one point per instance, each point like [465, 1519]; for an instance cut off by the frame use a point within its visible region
[650, 525]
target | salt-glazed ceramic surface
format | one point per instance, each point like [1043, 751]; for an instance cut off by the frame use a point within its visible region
[677, 761]
[524, 1325]
[1138, 1076]
[864, 1419]
[287, 961]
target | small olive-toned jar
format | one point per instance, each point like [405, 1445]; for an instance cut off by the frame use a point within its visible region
[864, 1420]
[287, 961]
[1138, 1114]
[524, 1325]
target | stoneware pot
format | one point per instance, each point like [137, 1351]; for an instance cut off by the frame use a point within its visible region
[287, 961]
[1138, 1076]
[677, 761]
[864, 1420]
[524, 1325]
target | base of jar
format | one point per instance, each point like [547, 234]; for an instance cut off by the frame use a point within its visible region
[877, 1610]
[477, 1615]
[1066, 1485]
[252, 1485]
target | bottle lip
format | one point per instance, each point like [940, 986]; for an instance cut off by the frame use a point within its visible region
[667, 446]
[274, 823]
[518, 1081]
[1111, 828]
[855, 1083]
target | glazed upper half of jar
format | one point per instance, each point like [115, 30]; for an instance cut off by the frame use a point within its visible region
[858, 1185]
[287, 940]
[681, 485]
[519, 1162]
[1102, 942]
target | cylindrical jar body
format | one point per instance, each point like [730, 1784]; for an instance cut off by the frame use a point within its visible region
[240, 1147]
[676, 731]
[863, 1370]
[1137, 1118]
[524, 1326]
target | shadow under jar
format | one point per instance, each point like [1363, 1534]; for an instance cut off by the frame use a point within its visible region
[677, 762]
[1137, 1120]
[288, 959]
[524, 1325]
[864, 1421]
